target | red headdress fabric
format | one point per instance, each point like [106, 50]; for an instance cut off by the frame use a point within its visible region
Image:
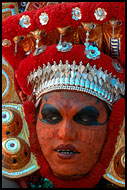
[60, 15]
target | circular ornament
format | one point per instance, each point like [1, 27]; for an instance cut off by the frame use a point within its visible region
[119, 163]
[100, 14]
[44, 18]
[15, 152]
[6, 43]
[7, 116]
[24, 21]
[76, 13]
[12, 145]
[117, 66]
[123, 160]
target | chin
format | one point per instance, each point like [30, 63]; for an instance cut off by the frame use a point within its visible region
[69, 176]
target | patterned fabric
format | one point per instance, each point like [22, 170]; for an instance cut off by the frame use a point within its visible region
[9, 9]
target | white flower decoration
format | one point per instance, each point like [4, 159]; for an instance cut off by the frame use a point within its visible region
[24, 21]
[44, 18]
[76, 13]
[100, 14]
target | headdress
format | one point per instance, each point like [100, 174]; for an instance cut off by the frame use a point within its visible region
[69, 48]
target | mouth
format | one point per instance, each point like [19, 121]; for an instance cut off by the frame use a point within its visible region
[66, 151]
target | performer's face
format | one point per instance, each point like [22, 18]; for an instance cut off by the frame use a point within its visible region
[71, 129]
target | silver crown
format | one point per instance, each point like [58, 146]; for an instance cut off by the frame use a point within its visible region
[76, 77]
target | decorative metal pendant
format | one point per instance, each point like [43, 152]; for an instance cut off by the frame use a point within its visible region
[64, 46]
[39, 50]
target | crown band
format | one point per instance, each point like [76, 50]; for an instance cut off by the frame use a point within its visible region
[76, 77]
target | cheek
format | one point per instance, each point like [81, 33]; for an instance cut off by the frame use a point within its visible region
[94, 138]
[44, 133]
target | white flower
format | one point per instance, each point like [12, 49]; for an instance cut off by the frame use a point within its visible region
[100, 14]
[76, 14]
[44, 18]
[24, 21]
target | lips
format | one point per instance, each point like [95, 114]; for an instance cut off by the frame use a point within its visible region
[66, 151]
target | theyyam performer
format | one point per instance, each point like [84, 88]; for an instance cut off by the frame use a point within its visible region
[63, 112]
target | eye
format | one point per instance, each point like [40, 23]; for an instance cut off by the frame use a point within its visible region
[22, 38]
[51, 119]
[69, 28]
[87, 116]
[107, 22]
[80, 26]
[119, 23]
[93, 26]
[50, 114]
[44, 33]
[86, 120]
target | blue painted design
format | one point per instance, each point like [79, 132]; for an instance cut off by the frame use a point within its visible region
[7, 118]
[116, 180]
[8, 145]
[13, 11]
[19, 173]
[8, 9]
[4, 62]
[13, 106]
[8, 83]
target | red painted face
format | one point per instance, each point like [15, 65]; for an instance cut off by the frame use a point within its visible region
[71, 129]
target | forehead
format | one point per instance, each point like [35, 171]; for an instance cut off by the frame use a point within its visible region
[71, 99]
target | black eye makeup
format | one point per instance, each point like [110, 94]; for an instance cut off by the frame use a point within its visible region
[50, 115]
[88, 116]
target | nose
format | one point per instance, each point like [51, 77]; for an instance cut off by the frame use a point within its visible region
[67, 131]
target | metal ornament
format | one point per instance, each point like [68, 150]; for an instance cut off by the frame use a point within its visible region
[64, 46]
[100, 14]
[76, 13]
[16, 43]
[91, 51]
[44, 18]
[6, 43]
[24, 21]
[38, 49]
[117, 66]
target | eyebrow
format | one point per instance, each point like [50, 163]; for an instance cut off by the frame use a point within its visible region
[47, 108]
[89, 110]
